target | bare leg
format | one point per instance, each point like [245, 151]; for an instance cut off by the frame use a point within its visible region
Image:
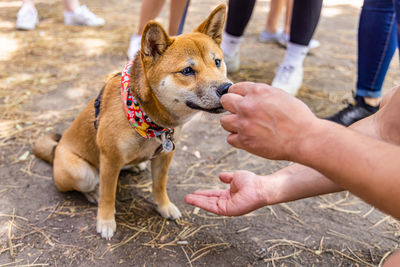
[288, 16]
[28, 2]
[71, 5]
[373, 101]
[175, 15]
[275, 11]
[149, 10]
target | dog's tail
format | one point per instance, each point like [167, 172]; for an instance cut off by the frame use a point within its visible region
[45, 146]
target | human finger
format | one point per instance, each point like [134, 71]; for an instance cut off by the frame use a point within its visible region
[240, 88]
[207, 203]
[229, 122]
[226, 177]
[229, 102]
[210, 193]
[233, 140]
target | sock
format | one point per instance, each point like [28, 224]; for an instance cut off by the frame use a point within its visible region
[230, 43]
[295, 54]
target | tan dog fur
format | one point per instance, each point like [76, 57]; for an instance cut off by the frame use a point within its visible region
[86, 159]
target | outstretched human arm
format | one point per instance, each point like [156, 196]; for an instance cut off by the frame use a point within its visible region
[295, 181]
[249, 191]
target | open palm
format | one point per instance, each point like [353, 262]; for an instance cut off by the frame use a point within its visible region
[243, 196]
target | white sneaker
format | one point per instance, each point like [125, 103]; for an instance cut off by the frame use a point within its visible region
[288, 78]
[82, 16]
[134, 46]
[232, 62]
[27, 18]
[266, 37]
[283, 39]
[313, 44]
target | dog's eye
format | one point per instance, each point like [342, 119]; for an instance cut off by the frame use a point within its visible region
[218, 62]
[187, 71]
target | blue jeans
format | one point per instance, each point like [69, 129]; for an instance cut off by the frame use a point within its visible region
[377, 42]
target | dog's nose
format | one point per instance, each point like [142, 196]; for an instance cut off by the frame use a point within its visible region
[223, 89]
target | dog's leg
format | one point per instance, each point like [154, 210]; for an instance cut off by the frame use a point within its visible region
[71, 172]
[159, 171]
[109, 171]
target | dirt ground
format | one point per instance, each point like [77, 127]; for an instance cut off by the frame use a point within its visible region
[49, 74]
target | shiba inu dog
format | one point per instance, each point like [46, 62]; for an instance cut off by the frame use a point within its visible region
[138, 116]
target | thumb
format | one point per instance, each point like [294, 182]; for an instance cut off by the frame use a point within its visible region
[226, 177]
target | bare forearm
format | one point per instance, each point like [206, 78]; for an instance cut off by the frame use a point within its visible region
[295, 182]
[298, 181]
[365, 166]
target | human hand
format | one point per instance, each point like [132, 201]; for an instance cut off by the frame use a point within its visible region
[246, 193]
[265, 121]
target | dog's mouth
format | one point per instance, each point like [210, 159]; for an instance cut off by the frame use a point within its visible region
[218, 109]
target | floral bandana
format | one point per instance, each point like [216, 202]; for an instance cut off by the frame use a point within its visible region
[136, 116]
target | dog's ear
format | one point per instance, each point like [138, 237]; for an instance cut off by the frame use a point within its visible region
[154, 42]
[214, 24]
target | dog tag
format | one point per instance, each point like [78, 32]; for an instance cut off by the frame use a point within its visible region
[168, 140]
[168, 145]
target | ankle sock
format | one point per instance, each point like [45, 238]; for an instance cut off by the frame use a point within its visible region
[295, 54]
[230, 43]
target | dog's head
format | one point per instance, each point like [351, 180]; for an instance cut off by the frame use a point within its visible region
[186, 73]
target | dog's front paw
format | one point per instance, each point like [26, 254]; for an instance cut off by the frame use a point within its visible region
[169, 211]
[106, 228]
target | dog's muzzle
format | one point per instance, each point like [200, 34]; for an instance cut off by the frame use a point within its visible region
[223, 89]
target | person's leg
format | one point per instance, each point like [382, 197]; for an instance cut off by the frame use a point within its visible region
[239, 13]
[377, 42]
[149, 10]
[28, 2]
[271, 33]
[305, 17]
[396, 4]
[288, 16]
[27, 16]
[275, 11]
[176, 9]
[71, 5]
